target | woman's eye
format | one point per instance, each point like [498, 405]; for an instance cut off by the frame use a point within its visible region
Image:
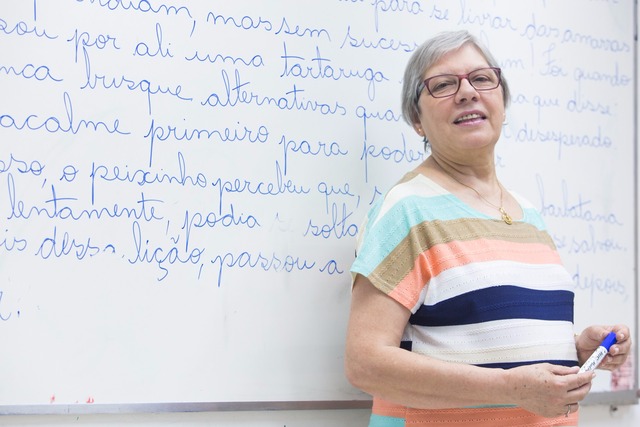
[442, 85]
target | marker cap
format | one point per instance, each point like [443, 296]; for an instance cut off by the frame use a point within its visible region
[609, 340]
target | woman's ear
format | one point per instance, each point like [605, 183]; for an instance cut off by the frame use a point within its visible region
[418, 128]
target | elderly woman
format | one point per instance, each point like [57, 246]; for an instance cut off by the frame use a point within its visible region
[462, 313]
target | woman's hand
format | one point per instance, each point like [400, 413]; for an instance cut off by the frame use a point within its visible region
[591, 337]
[549, 390]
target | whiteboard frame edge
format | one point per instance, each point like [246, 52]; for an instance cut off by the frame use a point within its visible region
[612, 398]
[177, 407]
[617, 398]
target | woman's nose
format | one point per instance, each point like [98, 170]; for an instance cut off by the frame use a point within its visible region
[466, 90]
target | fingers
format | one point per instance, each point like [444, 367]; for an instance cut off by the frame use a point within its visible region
[596, 333]
[580, 385]
[620, 350]
[550, 390]
[571, 386]
[591, 338]
[562, 370]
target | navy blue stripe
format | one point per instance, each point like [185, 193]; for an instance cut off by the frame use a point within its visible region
[497, 303]
[569, 363]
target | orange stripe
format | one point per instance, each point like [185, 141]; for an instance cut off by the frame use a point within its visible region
[388, 409]
[470, 417]
[427, 235]
[454, 254]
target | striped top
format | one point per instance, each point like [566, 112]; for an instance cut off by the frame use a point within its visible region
[480, 291]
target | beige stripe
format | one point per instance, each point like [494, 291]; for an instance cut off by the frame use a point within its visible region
[428, 234]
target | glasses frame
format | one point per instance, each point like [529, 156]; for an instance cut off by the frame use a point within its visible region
[425, 83]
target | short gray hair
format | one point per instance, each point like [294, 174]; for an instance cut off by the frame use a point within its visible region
[428, 54]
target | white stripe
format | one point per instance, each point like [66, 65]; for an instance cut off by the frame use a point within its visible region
[501, 341]
[460, 280]
[419, 186]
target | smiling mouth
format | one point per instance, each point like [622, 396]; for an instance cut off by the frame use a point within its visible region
[469, 117]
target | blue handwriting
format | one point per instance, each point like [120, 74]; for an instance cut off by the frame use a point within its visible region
[3, 317]
[338, 227]
[331, 190]
[250, 23]
[551, 66]
[256, 60]
[238, 185]
[386, 116]
[307, 148]
[596, 140]
[142, 49]
[601, 285]
[382, 43]
[533, 30]
[613, 79]
[21, 28]
[212, 219]
[143, 177]
[66, 245]
[591, 244]
[140, 6]
[577, 104]
[387, 153]
[13, 243]
[162, 257]
[573, 209]
[595, 43]
[227, 134]
[285, 28]
[235, 95]
[244, 23]
[30, 71]
[412, 7]
[84, 40]
[374, 195]
[144, 86]
[439, 14]
[543, 103]
[29, 167]
[53, 124]
[273, 262]
[56, 207]
[319, 68]
[484, 19]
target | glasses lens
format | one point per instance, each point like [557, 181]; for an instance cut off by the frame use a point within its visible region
[447, 84]
[484, 79]
[444, 85]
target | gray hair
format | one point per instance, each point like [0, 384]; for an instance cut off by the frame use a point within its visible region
[428, 54]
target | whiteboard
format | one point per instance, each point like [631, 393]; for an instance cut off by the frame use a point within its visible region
[181, 184]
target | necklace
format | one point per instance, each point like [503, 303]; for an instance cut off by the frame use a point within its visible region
[505, 216]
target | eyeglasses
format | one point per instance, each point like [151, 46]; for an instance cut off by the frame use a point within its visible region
[445, 85]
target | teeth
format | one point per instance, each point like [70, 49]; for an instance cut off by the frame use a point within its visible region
[468, 117]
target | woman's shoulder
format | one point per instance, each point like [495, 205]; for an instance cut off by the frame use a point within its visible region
[415, 184]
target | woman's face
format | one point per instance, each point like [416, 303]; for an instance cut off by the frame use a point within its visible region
[470, 119]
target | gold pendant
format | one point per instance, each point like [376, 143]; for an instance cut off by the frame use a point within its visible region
[505, 216]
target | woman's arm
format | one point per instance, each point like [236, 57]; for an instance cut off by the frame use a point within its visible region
[376, 364]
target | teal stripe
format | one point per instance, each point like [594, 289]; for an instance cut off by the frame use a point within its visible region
[491, 406]
[383, 421]
[533, 217]
[408, 212]
[394, 226]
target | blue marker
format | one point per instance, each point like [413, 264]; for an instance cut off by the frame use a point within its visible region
[594, 360]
